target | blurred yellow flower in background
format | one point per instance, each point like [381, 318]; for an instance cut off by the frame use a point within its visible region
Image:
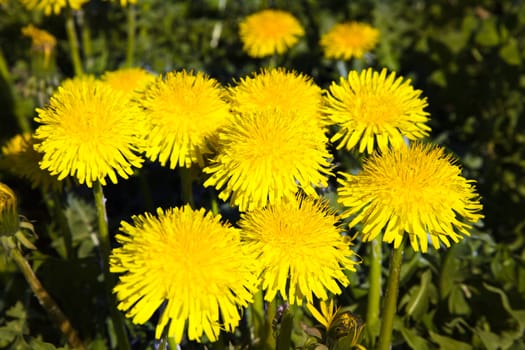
[41, 41]
[20, 159]
[375, 110]
[269, 32]
[52, 6]
[347, 40]
[266, 156]
[190, 264]
[185, 111]
[300, 249]
[89, 131]
[129, 80]
[415, 191]
[277, 89]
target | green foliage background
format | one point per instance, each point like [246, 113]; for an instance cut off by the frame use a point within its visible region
[467, 58]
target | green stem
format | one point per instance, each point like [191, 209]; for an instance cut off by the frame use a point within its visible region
[132, 23]
[105, 247]
[341, 68]
[374, 291]
[187, 177]
[390, 303]
[73, 43]
[257, 317]
[47, 302]
[284, 339]
[87, 46]
[18, 110]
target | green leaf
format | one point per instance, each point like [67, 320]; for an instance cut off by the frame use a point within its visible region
[448, 343]
[414, 339]
[17, 311]
[518, 315]
[488, 33]
[418, 298]
[457, 304]
[37, 344]
[510, 53]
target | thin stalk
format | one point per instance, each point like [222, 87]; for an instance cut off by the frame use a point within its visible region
[187, 176]
[87, 46]
[132, 23]
[105, 247]
[374, 291]
[390, 303]
[47, 302]
[18, 110]
[257, 317]
[72, 38]
[284, 339]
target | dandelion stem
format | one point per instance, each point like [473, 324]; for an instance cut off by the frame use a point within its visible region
[130, 50]
[257, 317]
[47, 302]
[73, 43]
[87, 46]
[390, 304]
[105, 246]
[187, 177]
[374, 291]
[284, 339]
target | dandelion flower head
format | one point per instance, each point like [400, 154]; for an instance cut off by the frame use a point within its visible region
[89, 131]
[277, 89]
[41, 40]
[417, 191]
[269, 32]
[300, 249]
[128, 80]
[375, 110]
[185, 111]
[20, 158]
[190, 264]
[52, 6]
[266, 157]
[347, 40]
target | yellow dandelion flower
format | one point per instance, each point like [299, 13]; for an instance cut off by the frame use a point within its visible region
[20, 158]
[89, 131]
[277, 89]
[269, 32]
[41, 41]
[266, 157]
[128, 80]
[347, 40]
[185, 111]
[52, 6]
[8, 211]
[414, 190]
[300, 249]
[375, 108]
[189, 264]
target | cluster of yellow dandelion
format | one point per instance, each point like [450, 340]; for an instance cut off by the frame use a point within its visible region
[262, 143]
